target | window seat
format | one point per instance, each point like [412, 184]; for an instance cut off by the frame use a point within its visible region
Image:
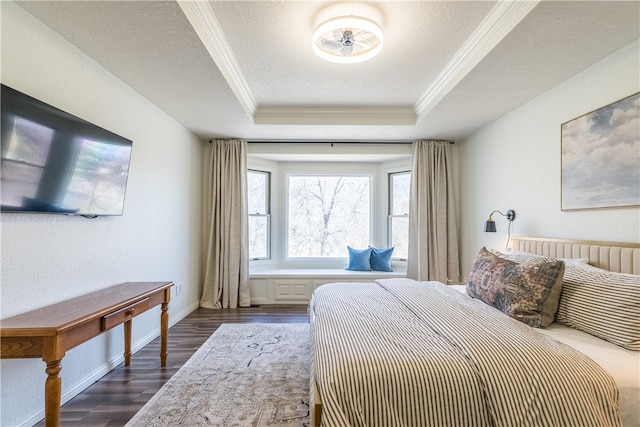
[325, 273]
[296, 285]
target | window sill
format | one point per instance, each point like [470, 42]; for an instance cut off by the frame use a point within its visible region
[321, 273]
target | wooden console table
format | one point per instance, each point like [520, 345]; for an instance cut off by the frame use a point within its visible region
[50, 331]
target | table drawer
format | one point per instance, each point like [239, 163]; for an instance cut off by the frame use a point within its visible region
[125, 313]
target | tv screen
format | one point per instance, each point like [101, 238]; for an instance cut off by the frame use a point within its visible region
[54, 162]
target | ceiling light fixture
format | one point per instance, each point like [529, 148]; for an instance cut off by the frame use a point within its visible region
[347, 39]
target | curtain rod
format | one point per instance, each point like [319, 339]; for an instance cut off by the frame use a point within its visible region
[327, 141]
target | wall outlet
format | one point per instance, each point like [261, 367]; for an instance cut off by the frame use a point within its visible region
[178, 289]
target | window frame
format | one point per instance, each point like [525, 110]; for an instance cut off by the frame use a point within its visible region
[390, 214]
[267, 213]
[320, 261]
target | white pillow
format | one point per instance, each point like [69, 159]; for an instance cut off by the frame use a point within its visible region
[523, 256]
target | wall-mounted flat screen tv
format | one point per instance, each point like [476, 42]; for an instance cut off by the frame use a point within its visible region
[54, 162]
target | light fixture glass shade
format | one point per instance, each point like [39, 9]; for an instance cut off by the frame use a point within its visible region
[490, 226]
[347, 39]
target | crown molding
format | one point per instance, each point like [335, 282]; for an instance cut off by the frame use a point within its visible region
[499, 22]
[334, 116]
[206, 25]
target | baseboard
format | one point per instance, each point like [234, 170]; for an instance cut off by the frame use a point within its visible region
[107, 367]
[175, 318]
[259, 301]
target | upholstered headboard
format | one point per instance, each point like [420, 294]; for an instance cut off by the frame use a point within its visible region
[612, 256]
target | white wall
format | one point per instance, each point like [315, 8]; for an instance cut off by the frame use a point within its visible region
[514, 163]
[47, 258]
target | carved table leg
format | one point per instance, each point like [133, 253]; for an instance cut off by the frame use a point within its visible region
[164, 330]
[52, 394]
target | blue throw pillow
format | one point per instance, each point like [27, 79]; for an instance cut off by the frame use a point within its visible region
[381, 259]
[359, 259]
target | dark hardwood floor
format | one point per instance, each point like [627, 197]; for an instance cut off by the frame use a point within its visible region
[116, 397]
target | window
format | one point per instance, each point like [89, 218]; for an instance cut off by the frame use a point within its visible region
[327, 213]
[259, 214]
[399, 186]
[304, 211]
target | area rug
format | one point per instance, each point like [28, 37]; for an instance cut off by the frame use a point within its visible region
[243, 375]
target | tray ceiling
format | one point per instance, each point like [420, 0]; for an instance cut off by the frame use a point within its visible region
[246, 69]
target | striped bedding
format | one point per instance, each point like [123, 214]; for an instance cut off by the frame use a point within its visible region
[404, 353]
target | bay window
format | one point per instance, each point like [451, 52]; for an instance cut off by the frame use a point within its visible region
[304, 214]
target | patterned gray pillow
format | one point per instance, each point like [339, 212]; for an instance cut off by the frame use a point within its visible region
[527, 291]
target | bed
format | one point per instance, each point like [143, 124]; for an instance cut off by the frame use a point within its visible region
[398, 352]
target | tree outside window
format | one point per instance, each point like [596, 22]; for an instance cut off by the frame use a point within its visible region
[326, 214]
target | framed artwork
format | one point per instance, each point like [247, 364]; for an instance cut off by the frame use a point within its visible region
[601, 157]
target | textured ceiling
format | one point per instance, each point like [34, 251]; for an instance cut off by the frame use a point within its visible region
[246, 69]
[412, 43]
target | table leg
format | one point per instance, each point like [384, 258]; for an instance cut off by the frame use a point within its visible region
[127, 342]
[164, 330]
[52, 394]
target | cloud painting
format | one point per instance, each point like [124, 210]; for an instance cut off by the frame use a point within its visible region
[601, 157]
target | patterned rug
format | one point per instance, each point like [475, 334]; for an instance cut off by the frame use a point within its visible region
[243, 375]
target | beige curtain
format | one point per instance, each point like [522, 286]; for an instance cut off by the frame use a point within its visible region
[433, 236]
[226, 279]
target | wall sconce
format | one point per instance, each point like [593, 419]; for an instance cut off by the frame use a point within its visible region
[490, 225]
